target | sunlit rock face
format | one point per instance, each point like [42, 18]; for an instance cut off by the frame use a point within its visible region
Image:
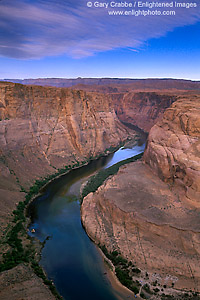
[46, 128]
[42, 130]
[173, 149]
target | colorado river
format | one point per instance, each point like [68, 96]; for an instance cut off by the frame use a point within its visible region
[69, 257]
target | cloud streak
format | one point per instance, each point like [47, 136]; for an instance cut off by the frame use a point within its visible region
[36, 29]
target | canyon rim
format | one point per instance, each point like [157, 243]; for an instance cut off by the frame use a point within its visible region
[148, 211]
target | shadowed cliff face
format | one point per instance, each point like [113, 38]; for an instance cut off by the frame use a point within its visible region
[46, 128]
[43, 129]
[136, 213]
[142, 109]
[154, 222]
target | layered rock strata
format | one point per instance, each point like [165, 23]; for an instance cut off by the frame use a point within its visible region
[155, 223]
[42, 130]
[142, 109]
[22, 283]
[173, 149]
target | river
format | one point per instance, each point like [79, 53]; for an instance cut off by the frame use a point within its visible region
[69, 257]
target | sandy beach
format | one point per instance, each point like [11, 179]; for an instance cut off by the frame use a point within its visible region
[121, 292]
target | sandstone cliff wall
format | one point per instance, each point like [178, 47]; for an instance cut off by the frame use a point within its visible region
[153, 221]
[52, 127]
[43, 129]
[173, 148]
[142, 109]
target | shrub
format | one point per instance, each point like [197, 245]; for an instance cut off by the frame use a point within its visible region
[136, 270]
[97, 180]
[147, 288]
[123, 277]
[142, 295]
[135, 289]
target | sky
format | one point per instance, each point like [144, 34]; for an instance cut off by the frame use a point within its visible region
[80, 38]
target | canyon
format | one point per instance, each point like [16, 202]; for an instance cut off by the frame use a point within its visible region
[149, 211]
[42, 129]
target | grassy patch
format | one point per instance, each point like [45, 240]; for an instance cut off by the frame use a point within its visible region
[97, 180]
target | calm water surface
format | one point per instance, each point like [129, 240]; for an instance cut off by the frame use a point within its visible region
[69, 257]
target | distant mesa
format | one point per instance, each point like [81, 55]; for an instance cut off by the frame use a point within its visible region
[153, 83]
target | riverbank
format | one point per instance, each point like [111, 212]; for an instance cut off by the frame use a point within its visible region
[135, 213]
[20, 248]
[121, 291]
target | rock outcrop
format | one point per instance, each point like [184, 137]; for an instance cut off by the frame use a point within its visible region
[142, 109]
[22, 283]
[155, 223]
[47, 128]
[173, 149]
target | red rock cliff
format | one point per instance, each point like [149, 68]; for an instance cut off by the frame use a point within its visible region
[173, 148]
[51, 127]
[155, 223]
[142, 109]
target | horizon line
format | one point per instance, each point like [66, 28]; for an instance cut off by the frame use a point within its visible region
[119, 78]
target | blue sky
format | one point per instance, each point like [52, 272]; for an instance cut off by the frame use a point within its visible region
[68, 39]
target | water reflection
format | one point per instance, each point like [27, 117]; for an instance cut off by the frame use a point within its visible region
[124, 153]
[70, 259]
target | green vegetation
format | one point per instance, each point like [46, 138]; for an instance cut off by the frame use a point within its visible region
[146, 288]
[142, 295]
[136, 270]
[97, 180]
[17, 253]
[40, 273]
[19, 246]
[122, 269]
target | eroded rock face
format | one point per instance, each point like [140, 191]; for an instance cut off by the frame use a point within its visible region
[93, 83]
[173, 149]
[142, 109]
[153, 221]
[43, 129]
[136, 213]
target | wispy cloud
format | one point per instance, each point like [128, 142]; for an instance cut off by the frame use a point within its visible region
[35, 29]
